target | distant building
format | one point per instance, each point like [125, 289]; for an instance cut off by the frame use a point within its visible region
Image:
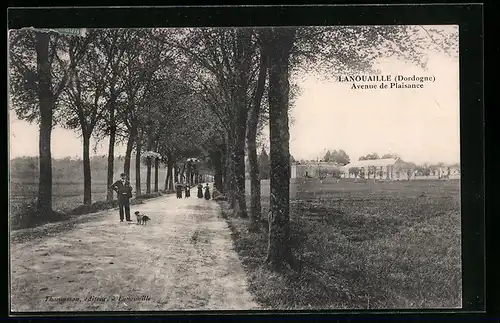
[314, 169]
[386, 168]
[449, 171]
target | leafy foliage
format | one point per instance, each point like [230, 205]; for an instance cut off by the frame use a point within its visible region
[340, 157]
[369, 157]
[356, 49]
[394, 156]
[24, 76]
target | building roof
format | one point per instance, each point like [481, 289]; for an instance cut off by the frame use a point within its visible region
[373, 162]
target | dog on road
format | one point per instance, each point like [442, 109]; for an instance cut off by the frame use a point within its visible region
[141, 218]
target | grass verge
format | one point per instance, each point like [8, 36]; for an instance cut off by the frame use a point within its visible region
[381, 252]
[25, 215]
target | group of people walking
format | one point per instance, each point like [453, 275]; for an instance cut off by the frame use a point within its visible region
[187, 191]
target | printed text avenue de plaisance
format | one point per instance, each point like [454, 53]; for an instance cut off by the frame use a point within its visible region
[366, 82]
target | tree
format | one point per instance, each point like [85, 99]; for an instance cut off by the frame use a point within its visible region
[354, 171]
[224, 62]
[372, 156]
[35, 91]
[409, 173]
[343, 158]
[154, 156]
[328, 156]
[143, 57]
[337, 173]
[279, 47]
[362, 172]
[84, 98]
[381, 172]
[243, 61]
[253, 123]
[113, 44]
[419, 170]
[398, 172]
[322, 173]
[174, 112]
[340, 157]
[394, 156]
[184, 126]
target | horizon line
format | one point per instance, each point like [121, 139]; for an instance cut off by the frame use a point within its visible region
[79, 158]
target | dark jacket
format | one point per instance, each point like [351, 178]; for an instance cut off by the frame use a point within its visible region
[207, 193]
[123, 190]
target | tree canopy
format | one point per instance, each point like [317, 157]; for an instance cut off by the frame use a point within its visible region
[340, 157]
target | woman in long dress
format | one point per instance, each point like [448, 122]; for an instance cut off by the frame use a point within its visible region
[187, 191]
[200, 191]
[178, 189]
[207, 192]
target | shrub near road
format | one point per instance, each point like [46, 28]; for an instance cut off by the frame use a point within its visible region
[362, 245]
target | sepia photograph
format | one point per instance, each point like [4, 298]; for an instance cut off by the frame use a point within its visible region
[234, 168]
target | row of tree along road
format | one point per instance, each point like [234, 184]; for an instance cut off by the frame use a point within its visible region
[191, 93]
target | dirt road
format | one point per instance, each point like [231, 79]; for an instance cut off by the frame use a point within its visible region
[181, 260]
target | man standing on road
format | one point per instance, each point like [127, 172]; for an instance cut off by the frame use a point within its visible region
[124, 190]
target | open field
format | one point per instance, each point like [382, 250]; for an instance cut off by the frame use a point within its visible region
[67, 194]
[362, 245]
[67, 181]
[67, 199]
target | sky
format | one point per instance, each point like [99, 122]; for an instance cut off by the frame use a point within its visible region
[420, 125]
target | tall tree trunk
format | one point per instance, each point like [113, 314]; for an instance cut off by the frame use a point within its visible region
[170, 178]
[176, 173]
[218, 171]
[46, 101]
[157, 166]
[138, 149]
[253, 121]
[111, 148]
[149, 161]
[87, 176]
[128, 151]
[229, 176]
[182, 173]
[148, 174]
[224, 172]
[188, 173]
[196, 176]
[193, 174]
[279, 251]
[243, 62]
[167, 177]
[239, 173]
